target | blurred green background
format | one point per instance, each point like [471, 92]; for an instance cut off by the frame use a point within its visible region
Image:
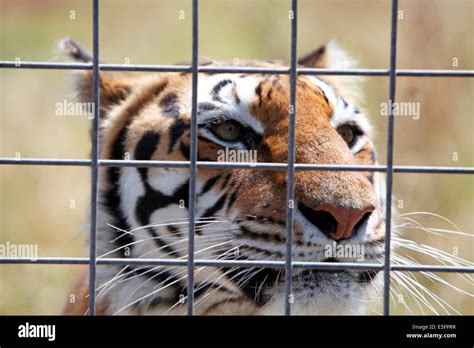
[47, 205]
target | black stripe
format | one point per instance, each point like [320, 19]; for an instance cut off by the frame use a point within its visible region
[260, 235]
[161, 243]
[174, 231]
[236, 95]
[274, 237]
[147, 146]
[110, 199]
[176, 130]
[370, 177]
[153, 200]
[205, 106]
[322, 92]
[118, 152]
[325, 98]
[344, 102]
[258, 91]
[201, 288]
[210, 183]
[217, 88]
[211, 211]
[216, 207]
[226, 180]
[184, 150]
[169, 105]
[144, 150]
[232, 199]
[269, 94]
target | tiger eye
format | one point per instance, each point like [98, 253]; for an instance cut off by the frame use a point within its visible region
[347, 133]
[228, 130]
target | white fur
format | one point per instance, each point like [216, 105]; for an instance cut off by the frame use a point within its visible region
[167, 180]
[131, 188]
[237, 111]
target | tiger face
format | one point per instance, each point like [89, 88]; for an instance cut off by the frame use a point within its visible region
[240, 212]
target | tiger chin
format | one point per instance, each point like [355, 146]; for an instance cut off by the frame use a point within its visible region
[143, 212]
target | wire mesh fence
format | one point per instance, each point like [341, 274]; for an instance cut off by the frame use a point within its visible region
[193, 164]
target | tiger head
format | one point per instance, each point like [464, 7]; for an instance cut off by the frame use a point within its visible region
[240, 212]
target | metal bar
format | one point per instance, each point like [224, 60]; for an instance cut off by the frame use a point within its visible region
[431, 268]
[44, 65]
[193, 158]
[45, 162]
[232, 69]
[235, 263]
[290, 183]
[146, 68]
[237, 165]
[95, 158]
[435, 73]
[389, 183]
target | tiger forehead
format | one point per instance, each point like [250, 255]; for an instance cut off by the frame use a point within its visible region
[260, 101]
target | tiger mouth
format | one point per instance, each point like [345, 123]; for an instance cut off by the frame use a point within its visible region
[361, 276]
[266, 278]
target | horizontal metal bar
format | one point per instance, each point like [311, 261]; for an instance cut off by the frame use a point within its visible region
[45, 65]
[237, 165]
[233, 69]
[183, 262]
[45, 162]
[342, 72]
[144, 68]
[235, 263]
[432, 268]
[434, 73]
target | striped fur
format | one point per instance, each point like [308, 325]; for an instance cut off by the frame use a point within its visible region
[240, 212]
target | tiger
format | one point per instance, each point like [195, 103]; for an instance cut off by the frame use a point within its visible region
[240, 211]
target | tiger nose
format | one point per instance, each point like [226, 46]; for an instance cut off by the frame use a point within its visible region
[340, 223]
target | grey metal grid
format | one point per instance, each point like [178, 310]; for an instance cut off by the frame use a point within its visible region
[193, 164]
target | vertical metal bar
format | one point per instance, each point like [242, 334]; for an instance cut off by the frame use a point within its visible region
[388, 211]
[95, 158]
[193, 159]
[291, 160]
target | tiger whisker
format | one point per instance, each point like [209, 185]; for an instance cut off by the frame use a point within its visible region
[162, 284]
[125, 275]
[166, 235]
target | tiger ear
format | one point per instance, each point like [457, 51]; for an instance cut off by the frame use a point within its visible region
[315, 59]
[115, 87]
[331, 56]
